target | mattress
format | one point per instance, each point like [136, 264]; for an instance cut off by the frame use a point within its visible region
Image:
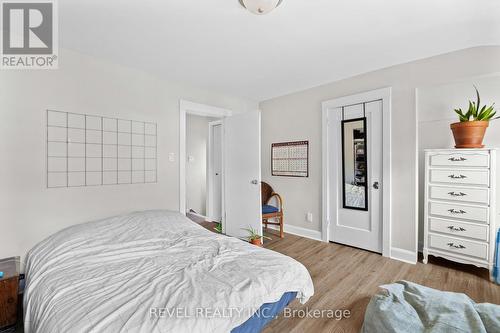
[153, 271]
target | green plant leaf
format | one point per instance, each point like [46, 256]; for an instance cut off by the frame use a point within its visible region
[461, 115]
[488, 113]
[481, 116]
[468, 115]
[483, 109]
[478, 98]
[459, 112]
[472, 112]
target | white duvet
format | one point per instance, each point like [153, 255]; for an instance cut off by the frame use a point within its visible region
[152, 271]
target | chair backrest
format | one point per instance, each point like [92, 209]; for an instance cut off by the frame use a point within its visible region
[266, 190]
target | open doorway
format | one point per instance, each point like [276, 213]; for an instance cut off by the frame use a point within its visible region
[240, 168]
[199, 192]
[203, 168]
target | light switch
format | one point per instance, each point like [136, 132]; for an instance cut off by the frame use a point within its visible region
[171, 157]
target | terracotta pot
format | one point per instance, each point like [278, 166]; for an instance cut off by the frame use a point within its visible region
[256, 242]
[469, 134]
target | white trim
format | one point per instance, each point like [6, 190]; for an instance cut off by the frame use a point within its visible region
[210, 167]
[187, 107]
[299, 231]
[385, 95]
[409, 257]
[418, 246]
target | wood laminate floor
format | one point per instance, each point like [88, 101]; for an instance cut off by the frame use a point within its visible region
[345, 278]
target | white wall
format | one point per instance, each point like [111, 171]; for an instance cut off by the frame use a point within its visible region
[435, 114]
[29, 211]
[298, 117]
[196, 170]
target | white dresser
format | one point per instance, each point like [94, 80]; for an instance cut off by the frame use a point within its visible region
[460, 212]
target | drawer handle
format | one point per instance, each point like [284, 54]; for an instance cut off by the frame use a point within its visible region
[459, 246]
[457, 159]
[455, 194]
[454, 211]
[457, 177]
[453, 228]
[10, 300]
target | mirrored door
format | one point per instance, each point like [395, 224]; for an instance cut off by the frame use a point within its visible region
[356, 169]
[354, 164]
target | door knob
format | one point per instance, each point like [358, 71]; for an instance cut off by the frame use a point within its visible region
[255, 182]
[375, 185]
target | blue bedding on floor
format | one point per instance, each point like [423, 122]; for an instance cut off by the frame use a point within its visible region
[266, 313]
[496, 267]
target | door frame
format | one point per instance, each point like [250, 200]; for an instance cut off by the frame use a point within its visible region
[210, 167]
[188, 107]
[383, 94]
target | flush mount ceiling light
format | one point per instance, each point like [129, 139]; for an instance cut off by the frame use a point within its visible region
[260, 7]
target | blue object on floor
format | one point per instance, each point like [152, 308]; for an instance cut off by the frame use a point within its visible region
[496, 264]
[268, 209]
[1, 275]
[266, 313]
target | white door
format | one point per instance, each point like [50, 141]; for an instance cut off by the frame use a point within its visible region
[242, 174]
[214, 197]
[356, 169]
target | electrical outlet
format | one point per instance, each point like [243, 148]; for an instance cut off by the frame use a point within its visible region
[309, 217]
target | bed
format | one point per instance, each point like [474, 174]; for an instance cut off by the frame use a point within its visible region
[155, 271]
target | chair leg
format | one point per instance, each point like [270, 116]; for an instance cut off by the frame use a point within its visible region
[281, 227]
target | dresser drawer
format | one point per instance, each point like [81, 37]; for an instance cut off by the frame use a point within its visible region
[455, 228]
[460, 246]
[463, 194]
[468, 177]
[475, 159]
[474, 213]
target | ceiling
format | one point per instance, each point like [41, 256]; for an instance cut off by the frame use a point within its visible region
[216, 44]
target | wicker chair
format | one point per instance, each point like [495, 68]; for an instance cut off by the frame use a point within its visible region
[271, 212]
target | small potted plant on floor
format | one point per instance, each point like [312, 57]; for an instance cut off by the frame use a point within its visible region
[218, 227]
[469, 132]
[254, 237]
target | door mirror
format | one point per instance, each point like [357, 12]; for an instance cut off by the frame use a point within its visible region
[354, 164]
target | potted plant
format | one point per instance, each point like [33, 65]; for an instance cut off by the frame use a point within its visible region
[254, 237]
[218, 228]
[469, 132]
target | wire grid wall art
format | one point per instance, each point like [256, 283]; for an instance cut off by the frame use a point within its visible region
[89, 150]
[290, 159]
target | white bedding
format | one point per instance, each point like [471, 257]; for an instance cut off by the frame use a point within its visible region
[106, 276]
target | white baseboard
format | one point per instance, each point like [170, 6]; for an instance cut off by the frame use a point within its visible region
[409, 257]
[303, 232]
